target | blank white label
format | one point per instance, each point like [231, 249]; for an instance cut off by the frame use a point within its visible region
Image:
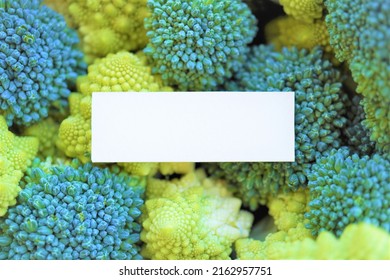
[193, 127]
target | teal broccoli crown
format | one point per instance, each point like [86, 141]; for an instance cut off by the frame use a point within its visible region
[319, 100]
[38, 60]
[255, 181]
[319, 114]
[357, 136]
[73, 212]
[196, 45]
[345, 189]
[359, 33]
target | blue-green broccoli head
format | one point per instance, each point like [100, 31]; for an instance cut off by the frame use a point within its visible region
[73, 212]
[359, 33]
[38, 61]
[356, 135]
[319, 116]
[345, 189]
[196, 45]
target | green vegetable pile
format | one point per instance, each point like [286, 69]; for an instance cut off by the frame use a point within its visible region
[56, 204]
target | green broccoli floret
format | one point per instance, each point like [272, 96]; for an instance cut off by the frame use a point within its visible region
[346, 189]
[359, 33]
[73, 212]
[197, 44]
[319, 116]
[356, 134]
[38, 61]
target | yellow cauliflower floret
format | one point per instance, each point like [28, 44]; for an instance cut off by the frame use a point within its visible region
[361, 241]
[46, 131]
[167, 168]
[140, 168]
[150, 168]
[74, 137]
[212, 187]
[117, 72]
[303, 10]
[9, 190]
[16, 154]
[287, 211]
[58, 5]
[106, 26]
[287, 31]
[189, 219]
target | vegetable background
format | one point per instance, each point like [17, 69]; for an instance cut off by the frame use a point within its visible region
[56, 204]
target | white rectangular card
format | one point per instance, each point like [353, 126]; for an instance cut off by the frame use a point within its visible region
[193, 127]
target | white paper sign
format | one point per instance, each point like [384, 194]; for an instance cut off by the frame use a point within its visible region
[193, 127]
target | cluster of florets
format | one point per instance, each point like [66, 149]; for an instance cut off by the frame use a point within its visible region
[192, 218]
[373, 244]
[38, 61]
[304, 10]
[73, 212]
[16, 154]
[359, 32]
[319, 115]
[123, 71]
[288, 31]
[356, 134]
[335, 195]
[347, 189]
[196, 45]
[105, 26]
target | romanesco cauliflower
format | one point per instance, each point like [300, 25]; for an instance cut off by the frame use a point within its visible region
[192, 218]
[16, 154]
[287, 31]
[358, 242]
[303, 10]
[106, 26]
[117, 72]
[288, 211]
[46, 131]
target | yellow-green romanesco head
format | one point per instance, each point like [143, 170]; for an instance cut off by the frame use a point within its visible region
[59, 6]
[151, 168]
[192, 218]
[287, 31]
[123, 71]
[287, 210]
[46, 131]
[303, 10]
[74, 135]
[106, 26]
[16, 154]
[361, 241]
